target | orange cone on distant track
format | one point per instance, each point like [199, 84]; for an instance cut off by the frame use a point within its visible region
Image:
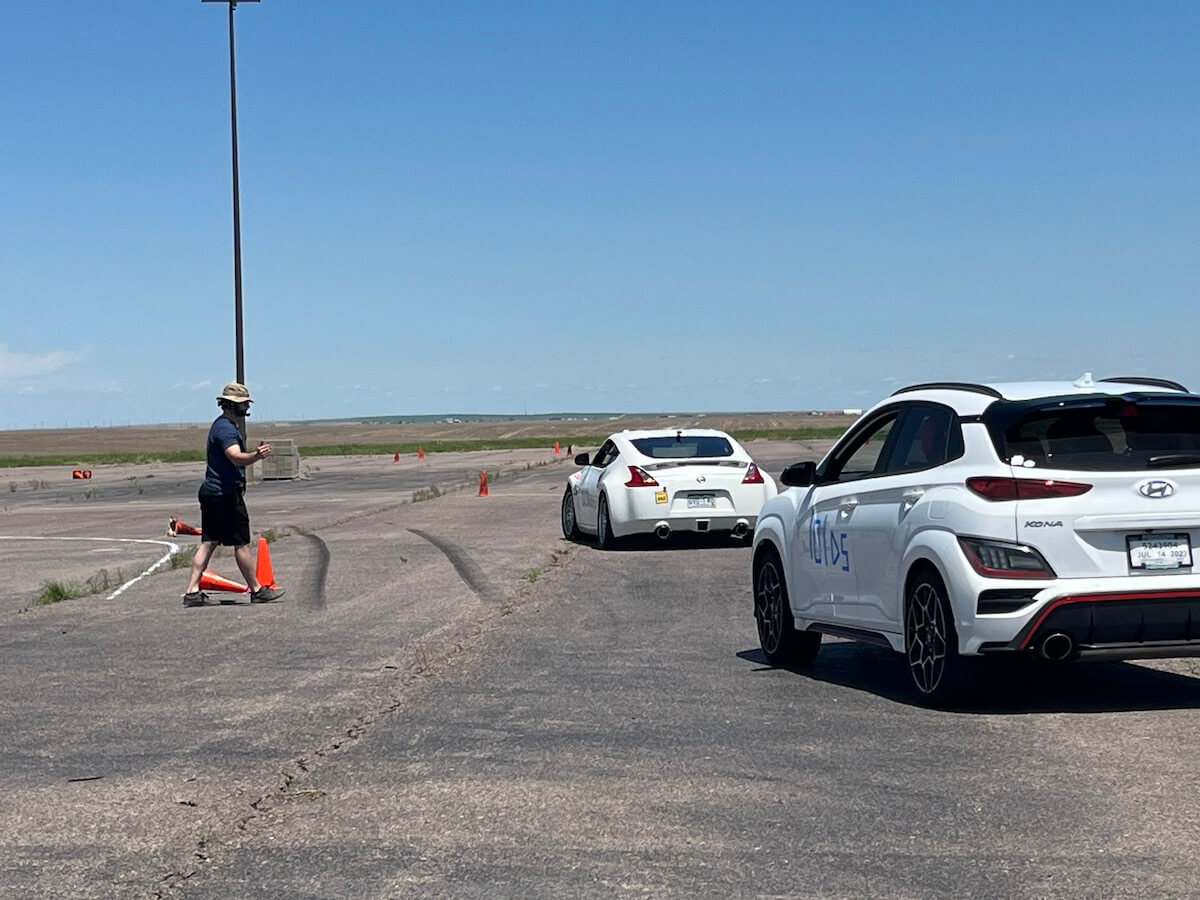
[556, 450]
[420, 453]
[174, 527]
[211, 581]
[396, 458]
[78, 473]
[483, 488]
[263, 572]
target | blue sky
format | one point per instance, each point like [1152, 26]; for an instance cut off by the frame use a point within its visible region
[546, 206]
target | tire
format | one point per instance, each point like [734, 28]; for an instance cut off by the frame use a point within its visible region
[781, 643]
[570, 525]
[605, 539]
[931, 643]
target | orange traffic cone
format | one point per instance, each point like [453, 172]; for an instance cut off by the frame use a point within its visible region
[174, 527]
[556, 450]
[78, 473]
[420, 453]
[483, 488]
[396, 458]
[211, 581]
[263, 572]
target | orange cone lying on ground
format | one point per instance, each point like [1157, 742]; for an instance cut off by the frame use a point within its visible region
[211, 581]
[263, 572]
[174, 527]
[483, 489]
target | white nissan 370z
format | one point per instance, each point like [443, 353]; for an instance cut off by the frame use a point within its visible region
[662, 481]
[1050, 519]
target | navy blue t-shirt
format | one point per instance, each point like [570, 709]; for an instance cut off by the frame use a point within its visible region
[221, 474]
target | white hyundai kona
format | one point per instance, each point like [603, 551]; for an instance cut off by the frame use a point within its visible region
[661, 481]
[1056, 520]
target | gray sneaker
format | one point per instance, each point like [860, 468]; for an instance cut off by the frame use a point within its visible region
[196, 598]
[266, 594]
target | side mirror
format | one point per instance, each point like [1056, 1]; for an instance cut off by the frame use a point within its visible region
[581, 459]
[799, 474]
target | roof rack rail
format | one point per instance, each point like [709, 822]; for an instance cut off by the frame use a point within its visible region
[952, 386]
[1148, 382]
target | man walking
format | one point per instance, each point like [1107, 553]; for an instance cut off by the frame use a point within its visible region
[224, 519]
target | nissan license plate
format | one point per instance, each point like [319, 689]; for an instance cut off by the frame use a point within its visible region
[702, 501]
[1159, 551]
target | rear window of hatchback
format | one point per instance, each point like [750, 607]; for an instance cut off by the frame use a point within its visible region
[1125, 434]
[683, 446]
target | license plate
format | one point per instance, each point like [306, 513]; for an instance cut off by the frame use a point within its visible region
[1159, 551]
[702, 501]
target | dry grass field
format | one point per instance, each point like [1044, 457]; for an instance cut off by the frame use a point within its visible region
[150, 439]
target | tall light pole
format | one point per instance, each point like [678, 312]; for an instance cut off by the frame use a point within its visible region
[237, 204]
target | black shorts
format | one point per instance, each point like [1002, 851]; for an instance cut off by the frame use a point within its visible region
[223, 517]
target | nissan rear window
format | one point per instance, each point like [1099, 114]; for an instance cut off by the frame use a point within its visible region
[1131, 433]
[683, 446]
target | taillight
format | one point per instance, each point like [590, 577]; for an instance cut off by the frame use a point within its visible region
[997, 559]
[640, 478]
[1024, 488]
[753, 476]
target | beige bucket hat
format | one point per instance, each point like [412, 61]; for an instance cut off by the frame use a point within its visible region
[236, 392]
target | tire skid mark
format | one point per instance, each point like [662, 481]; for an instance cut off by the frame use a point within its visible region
[469, 570]
[316, 599]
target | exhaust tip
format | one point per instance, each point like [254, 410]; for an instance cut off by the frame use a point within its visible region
[663, 530]
[741, 529]
[1057, 647]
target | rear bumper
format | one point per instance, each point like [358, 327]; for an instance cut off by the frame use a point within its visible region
[699, 521]
[1117, 625]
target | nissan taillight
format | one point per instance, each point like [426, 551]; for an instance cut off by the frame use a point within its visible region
[753, 476]
[640, 478]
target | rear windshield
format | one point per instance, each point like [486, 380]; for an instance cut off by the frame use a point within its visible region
[1116, 433]
[683, 446]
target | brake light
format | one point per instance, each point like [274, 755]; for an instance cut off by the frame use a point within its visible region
[1024, 488]
[753, 476]
[640, 478]
[996, 559]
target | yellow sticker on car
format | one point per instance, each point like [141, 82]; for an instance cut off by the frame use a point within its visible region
[660, 497]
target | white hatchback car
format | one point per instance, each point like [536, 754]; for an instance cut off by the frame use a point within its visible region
[664, 480]
[1049, 519]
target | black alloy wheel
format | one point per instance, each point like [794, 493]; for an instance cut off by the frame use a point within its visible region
[781, 643]
[930, 642]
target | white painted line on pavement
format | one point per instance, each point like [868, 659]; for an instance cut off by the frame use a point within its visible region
[172, 548]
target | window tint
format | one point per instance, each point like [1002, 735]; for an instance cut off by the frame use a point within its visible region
[1110, 434]
[606, 454]
[928, 436]
[683, 446]
[862, 456]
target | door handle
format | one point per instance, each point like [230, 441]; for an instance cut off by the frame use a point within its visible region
[910, 497]
[848, 506]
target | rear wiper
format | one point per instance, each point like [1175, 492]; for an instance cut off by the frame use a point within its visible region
[1174, 459]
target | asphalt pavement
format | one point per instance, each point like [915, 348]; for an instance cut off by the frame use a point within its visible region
[453, 701]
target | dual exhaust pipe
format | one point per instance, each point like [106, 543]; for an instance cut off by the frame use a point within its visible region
[740, 529]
